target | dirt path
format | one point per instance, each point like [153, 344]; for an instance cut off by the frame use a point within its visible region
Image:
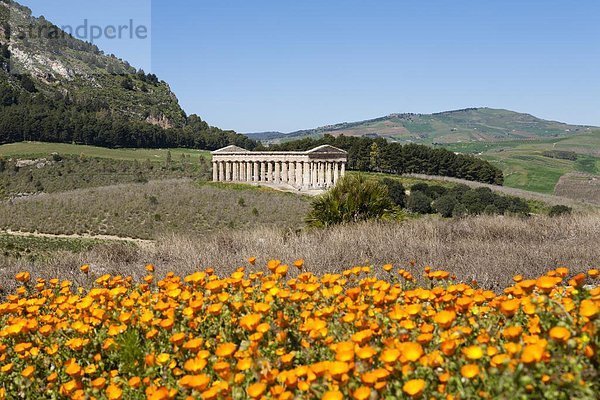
[140, 242]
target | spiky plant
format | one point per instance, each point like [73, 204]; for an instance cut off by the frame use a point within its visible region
[354, 198]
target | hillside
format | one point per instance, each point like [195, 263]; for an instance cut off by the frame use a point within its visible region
[473, 124]
[56, 88]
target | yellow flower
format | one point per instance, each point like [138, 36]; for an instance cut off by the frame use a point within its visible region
[332, 395]
[473, 352]
[560, 333]
[225, 349]
[469, 371]
[414, 387]
[113, 392]
[588, 309]
[256, 389]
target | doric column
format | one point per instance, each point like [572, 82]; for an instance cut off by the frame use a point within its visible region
[298, 174]
[221, 171]
[343, 170]
[321, 173]
[215, 168]
[314, 179]
[336, 172]
[263, 171]
[242, 171]
[292, 173]
[248, 171]
[284, 172]
[269, 171]
[306, 174]
[236, 171]
[255, 175]
[328, 174]
[277, 177]
[227, 171]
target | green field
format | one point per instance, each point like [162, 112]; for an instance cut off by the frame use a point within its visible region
[37, 149]
[525, 166]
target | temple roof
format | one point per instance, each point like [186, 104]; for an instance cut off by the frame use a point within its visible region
[324, 149]
[231, 149]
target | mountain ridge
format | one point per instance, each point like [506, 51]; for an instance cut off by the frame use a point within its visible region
[468, 124]
[56, 88]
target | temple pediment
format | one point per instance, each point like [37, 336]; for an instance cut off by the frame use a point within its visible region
[230, 149]
[326, 149]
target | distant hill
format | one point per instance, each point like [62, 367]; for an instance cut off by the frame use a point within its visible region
[472, 124]
[56, 88]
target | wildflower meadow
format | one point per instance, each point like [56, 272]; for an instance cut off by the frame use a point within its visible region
[367, 333]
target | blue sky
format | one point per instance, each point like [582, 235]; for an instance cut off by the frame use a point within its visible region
[284, 65]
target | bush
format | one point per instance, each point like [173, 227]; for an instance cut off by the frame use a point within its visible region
[459, 211]
[354, 198]
[445, 205]
[419, 202]
[557, 210]
[396, 190]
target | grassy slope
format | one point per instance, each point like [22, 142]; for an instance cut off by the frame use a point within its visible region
[37, 149]
[525, 167]
[159, 207]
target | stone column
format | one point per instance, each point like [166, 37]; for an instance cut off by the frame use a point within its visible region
[221, 171]
[215, 171]
[321, 174]
[314, 179]
[236, 171]
[284, 172]
[277, 177]
[343, 170]
[249, 171]
[336, 172]
[329, 174]
[269, 171]
[256, 176]
[298, 174]
[227, 171]
[263, 171]
[306, 174]
[292, 173]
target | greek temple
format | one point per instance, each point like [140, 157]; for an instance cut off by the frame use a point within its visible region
[316, 169]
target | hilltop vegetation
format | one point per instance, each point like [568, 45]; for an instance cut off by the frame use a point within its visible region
[472, 124]
[60, 89]
[379, 155]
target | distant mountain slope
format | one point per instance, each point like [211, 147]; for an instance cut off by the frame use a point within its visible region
[472, 124]
[56, 88]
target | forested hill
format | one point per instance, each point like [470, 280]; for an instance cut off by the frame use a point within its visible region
[57, 88]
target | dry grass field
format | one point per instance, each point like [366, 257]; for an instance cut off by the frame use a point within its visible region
[579, 186]
[488, 249]
[147, 210]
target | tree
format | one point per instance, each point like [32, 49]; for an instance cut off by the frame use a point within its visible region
[445, 205]
[396, 190]
[354, 198]
[418, 202]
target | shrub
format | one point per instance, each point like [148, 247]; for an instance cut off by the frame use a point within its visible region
[396, 190]
[419, 202]
[557, 210]
[445, 205]
[459, 211]
[354, 198]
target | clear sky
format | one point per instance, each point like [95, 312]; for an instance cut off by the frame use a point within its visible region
[261, 65]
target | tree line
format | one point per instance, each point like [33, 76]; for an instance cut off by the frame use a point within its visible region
[379, 155]
[29, 116]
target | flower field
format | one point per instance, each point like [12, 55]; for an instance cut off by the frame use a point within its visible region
[268, 335]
